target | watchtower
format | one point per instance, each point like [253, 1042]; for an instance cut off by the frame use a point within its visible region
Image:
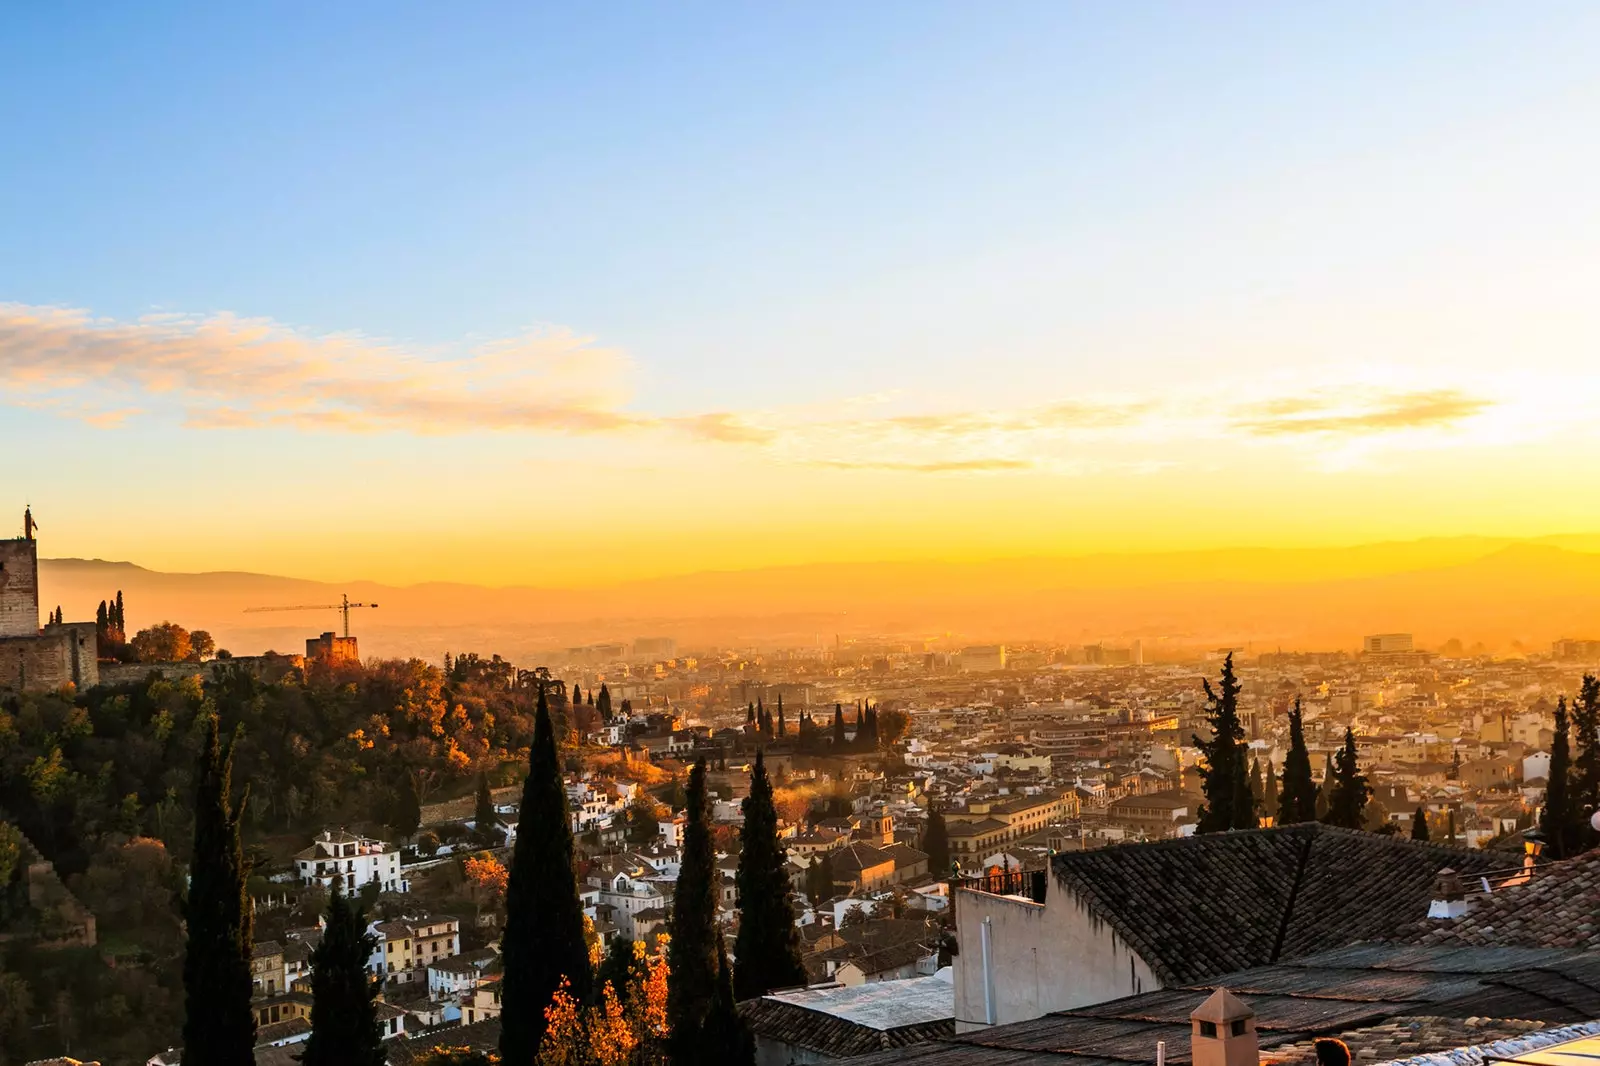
[19, 584]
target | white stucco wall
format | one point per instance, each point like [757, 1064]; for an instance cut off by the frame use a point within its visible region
[1043, 958]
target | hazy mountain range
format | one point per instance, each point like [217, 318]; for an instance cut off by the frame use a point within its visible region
[1505, 594]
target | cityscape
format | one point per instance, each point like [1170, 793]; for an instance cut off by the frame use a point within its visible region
[1040, 534]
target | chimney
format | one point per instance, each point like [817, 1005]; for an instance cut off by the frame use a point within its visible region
[1449, 898]
[1224, 1032]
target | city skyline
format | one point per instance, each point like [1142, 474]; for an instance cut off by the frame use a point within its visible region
[721, 290]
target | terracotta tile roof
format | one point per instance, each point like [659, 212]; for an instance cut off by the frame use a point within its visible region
[1222, 902]
[1559, 907]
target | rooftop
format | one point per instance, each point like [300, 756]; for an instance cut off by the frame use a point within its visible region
[853, 1021]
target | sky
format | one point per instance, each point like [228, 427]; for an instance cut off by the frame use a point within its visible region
[567, 294]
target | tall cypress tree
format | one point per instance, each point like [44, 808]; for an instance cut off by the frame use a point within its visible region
[543, 938]
[726, 1038]
[936, 842]
[691, 953]
[406, 815]
[1559, 820]
[485, 820]
[1258, 790]
[1269, 793]
[1225, 777]
[1298, 802]
[219, 1028]
[1419, 825]
[838, 727]
[783, 728]
[1586, 763]
[602, 703]
[344, 1026]
[1347, 789]
[767, 951]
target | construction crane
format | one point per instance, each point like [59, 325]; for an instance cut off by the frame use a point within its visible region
[344, 607]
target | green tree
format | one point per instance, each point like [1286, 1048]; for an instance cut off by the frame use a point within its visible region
[1298, 802]
[219, 1027]
[485, 821]
[726, 1039]
[936, 842]
[691, 952]
[405, 813]
[768, 945]
[1419, 825]
[1258, 789]
[1559, 820]
[543, 940]
[838, 727]
[819, 879]
[1224, 777]
[602, 704]
[1347, 788]
[202, 646]
[1586, 763]
[344, 1024]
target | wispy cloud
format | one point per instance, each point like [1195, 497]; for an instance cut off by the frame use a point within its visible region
[227, 372]
[950, 466]
[1372, 414]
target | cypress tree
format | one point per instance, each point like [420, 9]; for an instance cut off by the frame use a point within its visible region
[1455, 766]
[602, 703]
[819, 879]
[838, 727]
[1258, 791]
[1269, 793]
[485, 821]
[936, 842]
[1559, 820]
[543, 939]
[590, 697]
[1347, 792]
[1419, 825]
[406, 815]
[1325, 790]
[344, 1026]
[577, 694]
[691, 953]
[1450, 826]
[1225, 779]
[122, 618]
[1298, 802]
[750, 714]
[219, 1028]
[727, 1040]
[783, 729]
[767, 951]
[1586, 763]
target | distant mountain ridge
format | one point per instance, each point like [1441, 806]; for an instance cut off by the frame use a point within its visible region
[1502, 592]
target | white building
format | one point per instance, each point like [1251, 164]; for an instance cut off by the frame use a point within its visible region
[1387, 643]
[352, 861]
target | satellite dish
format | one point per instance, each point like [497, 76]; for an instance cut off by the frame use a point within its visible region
[1594, 820]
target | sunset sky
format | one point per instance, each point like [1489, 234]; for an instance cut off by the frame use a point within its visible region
[561, 294]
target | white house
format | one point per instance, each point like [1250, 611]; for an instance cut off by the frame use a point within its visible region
[352, 861]
[454, 978]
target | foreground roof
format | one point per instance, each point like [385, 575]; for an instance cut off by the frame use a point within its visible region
[1347, 992]
[1205, 905]
[840, 1022]
[1559, 907]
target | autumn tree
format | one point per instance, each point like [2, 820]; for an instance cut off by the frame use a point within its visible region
[892, 726]
[344, 1023]
[767, 950]
[543, 943]
[202, 646]
[1347, 788]
[692, 954]
[219, 1027]
[1224, 777]
[166, 642]
[1298, 800]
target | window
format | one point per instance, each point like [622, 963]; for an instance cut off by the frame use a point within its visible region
[1208, 1029]
[1238, 1027]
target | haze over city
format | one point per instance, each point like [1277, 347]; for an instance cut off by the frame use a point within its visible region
[1032, 533]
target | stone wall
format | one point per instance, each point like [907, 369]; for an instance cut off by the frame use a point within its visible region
[265, 667]
[19, 588]
[41, 662]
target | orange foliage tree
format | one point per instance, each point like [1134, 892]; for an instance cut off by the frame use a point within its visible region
[628, 1027]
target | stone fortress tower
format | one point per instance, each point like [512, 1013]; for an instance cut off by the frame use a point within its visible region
[34, 659]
